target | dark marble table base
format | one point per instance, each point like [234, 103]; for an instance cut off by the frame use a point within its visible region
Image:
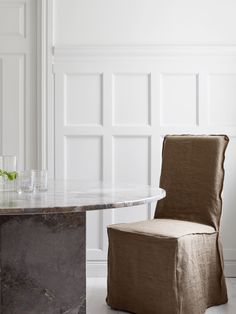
[42, 260]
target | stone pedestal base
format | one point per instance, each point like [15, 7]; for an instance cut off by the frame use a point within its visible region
[42, 261]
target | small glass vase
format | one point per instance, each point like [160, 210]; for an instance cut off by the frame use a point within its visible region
[7, 163]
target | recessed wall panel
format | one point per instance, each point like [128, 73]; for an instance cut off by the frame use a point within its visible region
[83, 104]
[222, 99]
[12, 19]
[179, 99]
[83, 158]
[131, 98]
[131, 165]
[131, 159]
[12, 106]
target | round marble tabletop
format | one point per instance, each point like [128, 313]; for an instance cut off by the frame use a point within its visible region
[73, 196]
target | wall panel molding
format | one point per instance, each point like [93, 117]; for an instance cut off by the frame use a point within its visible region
[22, 114]
[143, 50]
[45, 86]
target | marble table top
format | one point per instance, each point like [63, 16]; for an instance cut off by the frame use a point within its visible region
[73, 196]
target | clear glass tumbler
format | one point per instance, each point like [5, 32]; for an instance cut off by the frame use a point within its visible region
[39, 180]
[24, 182]
[8, 164]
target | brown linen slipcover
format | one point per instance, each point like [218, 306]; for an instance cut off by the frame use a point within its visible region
[192, 175]
[173, 264]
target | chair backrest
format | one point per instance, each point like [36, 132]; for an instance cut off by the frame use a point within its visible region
[192, 175]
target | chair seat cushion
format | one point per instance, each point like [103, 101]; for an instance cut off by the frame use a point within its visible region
[170, 228]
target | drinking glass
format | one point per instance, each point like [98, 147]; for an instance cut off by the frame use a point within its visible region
[39, 180]
[24, 182]
[7, 163]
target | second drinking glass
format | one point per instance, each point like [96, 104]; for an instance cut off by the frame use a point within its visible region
[39, 180]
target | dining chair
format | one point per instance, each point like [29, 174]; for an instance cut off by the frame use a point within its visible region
[173, 264]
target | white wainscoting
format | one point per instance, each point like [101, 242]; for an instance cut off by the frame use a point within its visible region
[114, 106]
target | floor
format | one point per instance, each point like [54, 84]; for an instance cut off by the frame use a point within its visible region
[96, 294]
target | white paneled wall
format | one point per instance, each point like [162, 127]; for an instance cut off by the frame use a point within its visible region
[113, 109]
[18, 80]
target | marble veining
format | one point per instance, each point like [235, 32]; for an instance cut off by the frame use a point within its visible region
[74, 196]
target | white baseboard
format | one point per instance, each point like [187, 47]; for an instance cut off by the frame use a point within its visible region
[96, 268]
[230, 262]
[230, 268]
[99, 268]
